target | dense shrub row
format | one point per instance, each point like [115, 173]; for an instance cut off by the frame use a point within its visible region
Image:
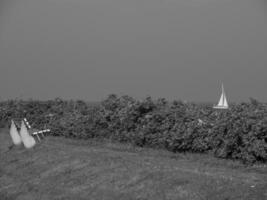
[238, 133]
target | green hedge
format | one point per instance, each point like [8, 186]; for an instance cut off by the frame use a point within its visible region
[238, 133]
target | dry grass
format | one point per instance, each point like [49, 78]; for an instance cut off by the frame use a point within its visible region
[60, 168]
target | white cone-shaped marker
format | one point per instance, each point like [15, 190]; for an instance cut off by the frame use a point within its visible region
[14, 134]
[27, 140]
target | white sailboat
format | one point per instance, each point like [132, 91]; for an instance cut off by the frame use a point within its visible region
[223, 104]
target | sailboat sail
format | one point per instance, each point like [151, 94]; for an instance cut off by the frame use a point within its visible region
[223, 104]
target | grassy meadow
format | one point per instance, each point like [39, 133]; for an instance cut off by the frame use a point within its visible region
[62, 168]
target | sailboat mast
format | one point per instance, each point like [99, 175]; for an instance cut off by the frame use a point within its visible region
[223, 95]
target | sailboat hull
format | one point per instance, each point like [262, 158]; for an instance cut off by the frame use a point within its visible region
[220, 107]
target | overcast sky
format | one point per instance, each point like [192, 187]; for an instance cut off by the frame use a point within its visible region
[177, 49]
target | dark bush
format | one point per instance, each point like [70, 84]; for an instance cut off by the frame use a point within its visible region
[238, 133]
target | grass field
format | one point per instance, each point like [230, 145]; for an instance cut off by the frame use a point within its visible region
[60, 168]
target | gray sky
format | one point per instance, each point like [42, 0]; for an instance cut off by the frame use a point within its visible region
[178, 49]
